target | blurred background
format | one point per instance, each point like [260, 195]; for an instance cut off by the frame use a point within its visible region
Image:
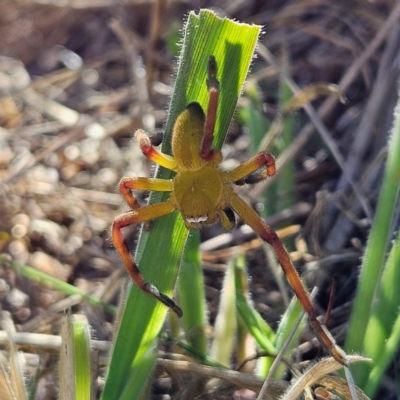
[78, 77]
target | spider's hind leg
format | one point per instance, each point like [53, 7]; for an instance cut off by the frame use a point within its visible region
[268, 235]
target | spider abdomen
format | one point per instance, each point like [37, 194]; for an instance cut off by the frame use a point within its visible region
[198, 195]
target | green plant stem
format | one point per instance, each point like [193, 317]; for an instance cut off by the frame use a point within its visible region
[82, 364]
[377, 246]
[54, 283]
[191, 295]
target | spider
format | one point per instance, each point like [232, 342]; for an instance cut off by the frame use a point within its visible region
[203, 194]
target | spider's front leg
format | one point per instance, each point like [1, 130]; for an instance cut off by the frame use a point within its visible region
[148, 149]
[127, 184]
[247, 172]
[269, 235]
[206, 151]
[136, 216]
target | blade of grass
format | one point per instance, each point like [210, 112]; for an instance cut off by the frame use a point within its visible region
[246, 345]
[160, 250]
[259, 129]
[383, 332]
[283, 350]
[53, 283]
[225, 322]
[201, 357]
[265, 337]
[260, 330]
[251, 115]
[81, 340]
[257, 124]
[191, 295]
[382, 361]
[289, 319]
[286, 181]
[375, 253]
[139, 381]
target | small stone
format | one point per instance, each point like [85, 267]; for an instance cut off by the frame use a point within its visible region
[49, 265]
[17, 299]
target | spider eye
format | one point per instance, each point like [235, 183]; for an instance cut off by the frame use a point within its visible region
[197, 220]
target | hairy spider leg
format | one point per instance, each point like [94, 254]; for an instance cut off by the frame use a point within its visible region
[137, 216]
[227, 218]
[253, 178]
[127, 184]
[153, 154]
[242, 171]
[269, 235]
[206, 151]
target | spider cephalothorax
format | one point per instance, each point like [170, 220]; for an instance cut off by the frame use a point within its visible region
[203, 194]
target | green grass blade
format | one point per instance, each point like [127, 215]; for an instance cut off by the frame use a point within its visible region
[192, 352]
[376, 250]
[259, 329]
[251, 115]
[381, 363]
[191, 295]
[53, 283]
[246, 345]
[287, 323]
[225, 323]
[286, 180]
[159, 250]
[81, 338]
[75, 359]
[383, 333]
[139, 381]
[232, 44]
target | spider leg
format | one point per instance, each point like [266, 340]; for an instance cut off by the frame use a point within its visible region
[153, 154]
[269, 235]
[213, 89]
[133, 217]
[227, 218]
[246, 172]
[127, 184]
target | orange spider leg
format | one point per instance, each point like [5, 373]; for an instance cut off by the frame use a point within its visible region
[213, 89]
[127, 184]
[134, 217]
[153, 154]
[245, 173]
[269, 235]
